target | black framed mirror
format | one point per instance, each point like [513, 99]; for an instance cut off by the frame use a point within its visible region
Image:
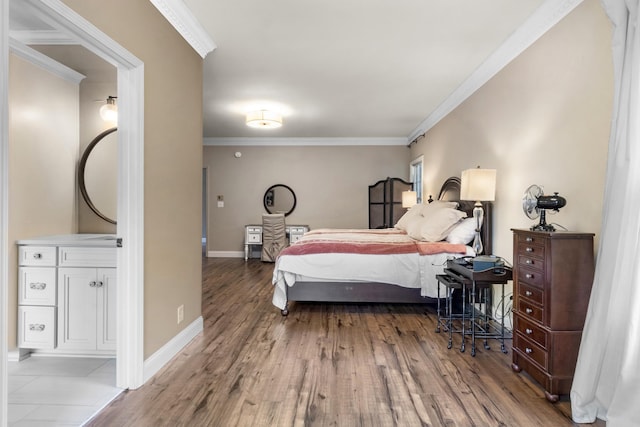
[97, 175]
[279, 198]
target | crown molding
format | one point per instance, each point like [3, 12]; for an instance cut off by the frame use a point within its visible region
[541, 21]
[44, 62]
[183, 20]
[292, 141]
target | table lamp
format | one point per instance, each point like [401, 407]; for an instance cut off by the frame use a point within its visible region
[478, 185]
[409, 199]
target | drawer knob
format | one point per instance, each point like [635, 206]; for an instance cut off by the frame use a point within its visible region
[528, 293]
[37, 255]
[38, 327]
[528, 331]
[99, 284]
[528, 276]
[92, 284]
[528, 249]
[528, 350]
[528, 310]
[529, 239]
[528, 261]
[38, 286]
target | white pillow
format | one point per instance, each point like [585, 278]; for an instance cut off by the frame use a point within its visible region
[463, 232]
[437, 205]
[415, 212]
[436, 226]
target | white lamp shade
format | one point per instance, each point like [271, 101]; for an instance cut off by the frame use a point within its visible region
[109, 111]
[478, 185]
[264, 119]
[409, 199]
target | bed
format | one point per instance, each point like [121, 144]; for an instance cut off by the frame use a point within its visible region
[391, 265]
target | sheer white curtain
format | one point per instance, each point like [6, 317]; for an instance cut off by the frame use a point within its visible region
[607, 378]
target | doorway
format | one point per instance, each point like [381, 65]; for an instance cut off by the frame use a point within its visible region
[129, 364]
[205, 212]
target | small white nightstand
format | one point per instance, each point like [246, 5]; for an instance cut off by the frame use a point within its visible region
[253, 235]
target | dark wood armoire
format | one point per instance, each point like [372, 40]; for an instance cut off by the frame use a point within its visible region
[385, 202]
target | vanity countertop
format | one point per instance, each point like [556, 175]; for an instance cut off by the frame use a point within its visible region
[88, 240]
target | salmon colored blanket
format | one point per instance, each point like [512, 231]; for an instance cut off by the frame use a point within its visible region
[371, 242]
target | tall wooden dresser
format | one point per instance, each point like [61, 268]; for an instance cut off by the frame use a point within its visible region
[552, 277]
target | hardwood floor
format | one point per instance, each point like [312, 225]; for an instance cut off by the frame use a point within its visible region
[326, 365]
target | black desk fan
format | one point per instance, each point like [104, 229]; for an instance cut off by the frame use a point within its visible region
[535, 203]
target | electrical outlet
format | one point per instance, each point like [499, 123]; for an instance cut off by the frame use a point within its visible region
[180, 313]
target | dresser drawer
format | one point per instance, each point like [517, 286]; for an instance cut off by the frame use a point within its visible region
[39, 256]
[87, 257]
[37, 327]
[37, 286]
[254, 238]
[531, 350]
[531, 310]
[531, 239]
[531, 293]
[531, 331]
[531, 277]
[526, 260]
[531, 250]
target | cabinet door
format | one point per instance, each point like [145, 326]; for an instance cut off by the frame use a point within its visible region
[77, 308]
[106, 315]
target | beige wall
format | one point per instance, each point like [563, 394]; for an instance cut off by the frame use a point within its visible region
[543, 120]
[43, 152]
[330, 182]
[172, 160]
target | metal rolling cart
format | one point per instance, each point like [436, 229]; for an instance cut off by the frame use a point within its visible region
[475, 318]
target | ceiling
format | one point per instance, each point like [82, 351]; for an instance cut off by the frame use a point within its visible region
[344, 69]
[335, 69]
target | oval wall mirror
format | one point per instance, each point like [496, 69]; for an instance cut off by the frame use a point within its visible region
[98, 177]
[279, 198]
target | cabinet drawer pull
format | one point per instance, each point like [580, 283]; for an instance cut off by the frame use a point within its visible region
[528, 331]
[529, 239]
[99, 284]
[37, 255]
[38, 286]
[38, 327]
[528, 293]
[528, 249]
[92, 284]
[528, 350]
[528, 276]
[528, 261]
[528, 310]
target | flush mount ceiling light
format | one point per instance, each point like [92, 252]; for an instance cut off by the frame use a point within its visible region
[109, 111]
[264, 119]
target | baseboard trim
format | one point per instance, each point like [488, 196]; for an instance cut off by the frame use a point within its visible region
[18, 355]
[225, 254]
[161, 357]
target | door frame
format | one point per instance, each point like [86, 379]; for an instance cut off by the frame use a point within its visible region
[130, 257]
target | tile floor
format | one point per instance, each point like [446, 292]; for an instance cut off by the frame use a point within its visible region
[59, 391]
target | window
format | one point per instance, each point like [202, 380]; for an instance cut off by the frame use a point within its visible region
[415, 176]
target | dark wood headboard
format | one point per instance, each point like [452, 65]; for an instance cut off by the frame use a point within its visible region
[450, 191]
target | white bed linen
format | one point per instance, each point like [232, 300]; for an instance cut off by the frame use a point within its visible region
[407, 270]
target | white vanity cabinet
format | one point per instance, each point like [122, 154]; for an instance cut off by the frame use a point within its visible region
[37, 297]
[86, 308]
[67, 295]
